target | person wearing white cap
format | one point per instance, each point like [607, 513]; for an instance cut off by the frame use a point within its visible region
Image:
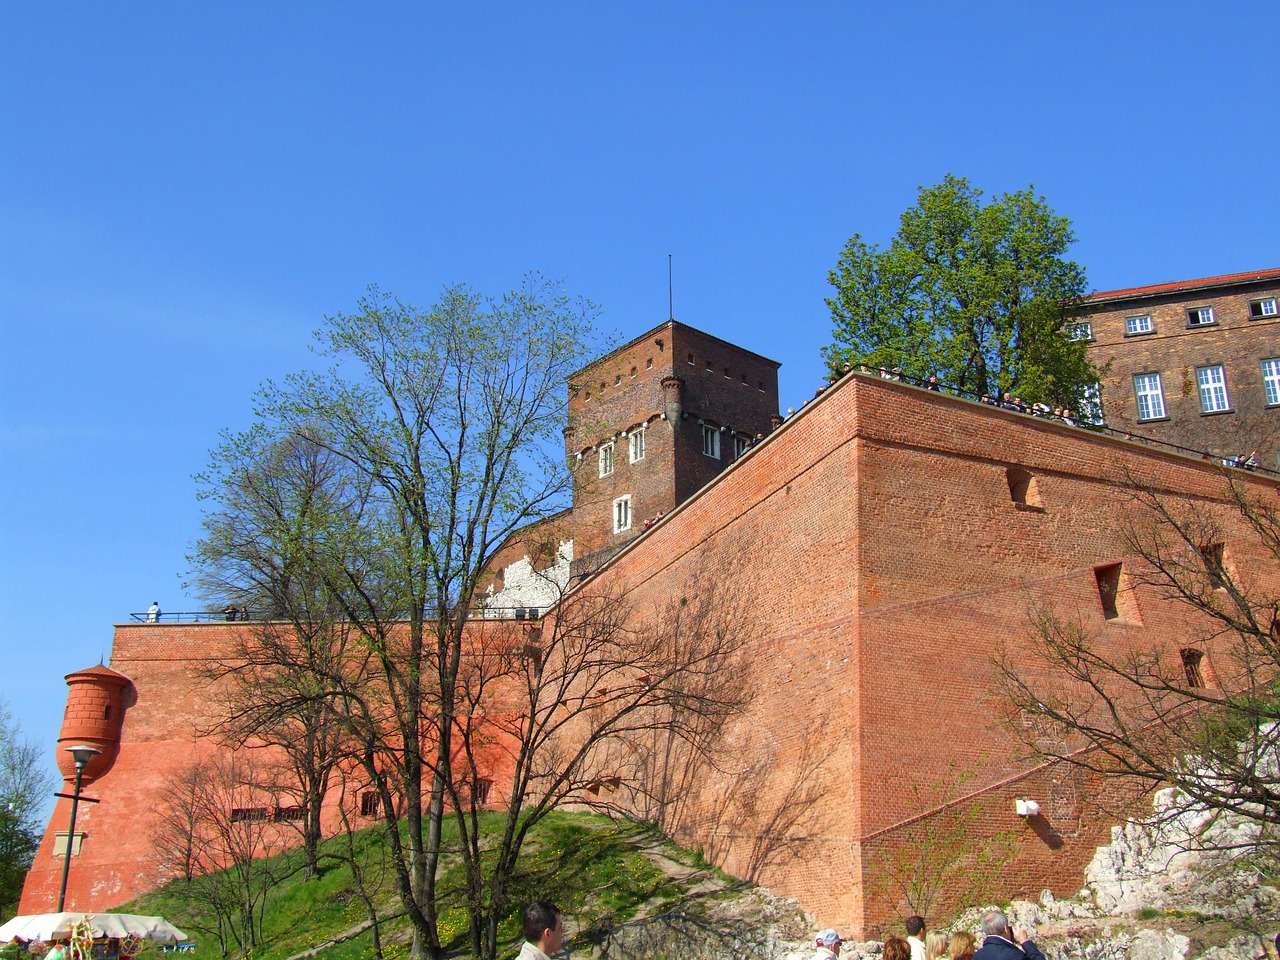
[828, 945]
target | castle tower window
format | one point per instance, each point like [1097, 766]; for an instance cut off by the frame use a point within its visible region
[249, 815]
[691, 359]
[1192, 661]
[1200, 317]
[1213, 389]
[636, 443]
[370, 804]
[710, 441]
[622, 514]
[483, 786]
[1271, 381]
[606, 460]
[740, 445]
[1023, 489]
[1265, 307]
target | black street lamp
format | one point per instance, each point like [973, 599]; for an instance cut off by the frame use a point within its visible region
[82, 755]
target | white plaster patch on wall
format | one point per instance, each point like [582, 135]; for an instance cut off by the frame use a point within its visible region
[525, 587]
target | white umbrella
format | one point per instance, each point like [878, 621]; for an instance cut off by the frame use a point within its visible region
[57, 926]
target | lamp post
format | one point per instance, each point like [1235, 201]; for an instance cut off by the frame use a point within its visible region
[82, 756]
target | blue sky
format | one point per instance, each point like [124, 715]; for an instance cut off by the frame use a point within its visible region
[185, 191]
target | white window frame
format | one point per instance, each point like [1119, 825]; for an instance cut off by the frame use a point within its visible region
[1091, 405]
[1150, 394]
[1271, 381]
[1080, 330]
[606, 459]
[635, 445]
[1212, 382]
[622, 514]
[1200, 317]
[741, 445]
[710, 441]
[1266, 307]
[1136, 326]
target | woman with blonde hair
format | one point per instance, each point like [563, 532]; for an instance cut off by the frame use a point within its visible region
[935, 945]
[962, 945]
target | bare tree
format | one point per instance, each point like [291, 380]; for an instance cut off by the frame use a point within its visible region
[447, 423]
[217, 832]
[1199, 713]
[285, 526]
[559, 702]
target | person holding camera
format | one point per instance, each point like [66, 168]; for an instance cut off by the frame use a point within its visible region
[1005, 942]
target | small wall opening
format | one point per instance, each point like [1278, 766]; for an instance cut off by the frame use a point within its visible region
[1023, 489]
[1115, 594]
[370, 804]
[1193, 667]
[1215, 564]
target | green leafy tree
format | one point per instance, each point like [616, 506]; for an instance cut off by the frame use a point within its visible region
[979, 294]
[25, 785]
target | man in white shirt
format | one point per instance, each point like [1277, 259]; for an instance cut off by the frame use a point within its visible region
[915, 937]
[543, 929]
[828, 945]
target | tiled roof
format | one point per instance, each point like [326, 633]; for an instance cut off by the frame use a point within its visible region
[1179, 285]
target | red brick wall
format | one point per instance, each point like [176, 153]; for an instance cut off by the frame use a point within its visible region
[886, 562]
[875, 562]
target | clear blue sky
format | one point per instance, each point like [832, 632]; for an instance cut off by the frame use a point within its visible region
[185, 190]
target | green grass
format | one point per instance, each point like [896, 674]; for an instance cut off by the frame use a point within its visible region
[589, 865]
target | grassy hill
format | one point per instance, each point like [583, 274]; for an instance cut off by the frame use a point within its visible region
[601, 872]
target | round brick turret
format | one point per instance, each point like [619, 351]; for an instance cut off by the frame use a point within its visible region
[95, 712]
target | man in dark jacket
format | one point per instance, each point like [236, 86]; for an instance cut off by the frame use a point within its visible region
[1002, 941]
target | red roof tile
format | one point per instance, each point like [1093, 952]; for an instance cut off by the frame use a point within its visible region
[1177, 285]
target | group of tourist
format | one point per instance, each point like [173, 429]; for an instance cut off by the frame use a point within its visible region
[1001, 941]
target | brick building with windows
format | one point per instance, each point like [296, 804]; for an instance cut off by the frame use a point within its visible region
[1194, 363]
[881, 545]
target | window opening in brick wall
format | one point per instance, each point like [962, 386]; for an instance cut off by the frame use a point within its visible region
[740, 445]
[1271, 380]
[483, 786]
[1215, 564]
[606, 460]
[648, 364]
[1213, 389]
[622, 514]
[1266, 307]
[711, 441]
[744, 380]
[1091, 405]
[691, 359]
[1200, 317]
[635, 443]
[288, 814]
[1191, 666]
[1023, 489]
[617, 380]
[1146, 386]
[1133, 326]
[370, 804]
[1080, 330]
[1115, 594]
[250, 814]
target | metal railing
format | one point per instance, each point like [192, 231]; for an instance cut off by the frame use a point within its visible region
[245, 616]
